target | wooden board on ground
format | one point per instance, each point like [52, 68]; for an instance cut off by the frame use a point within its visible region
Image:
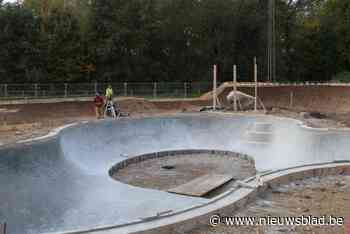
[202, 185]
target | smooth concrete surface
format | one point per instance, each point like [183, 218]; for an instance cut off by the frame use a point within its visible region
[62, 183]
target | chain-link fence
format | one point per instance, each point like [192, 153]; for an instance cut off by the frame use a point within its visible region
[134, 89]
[131, 89]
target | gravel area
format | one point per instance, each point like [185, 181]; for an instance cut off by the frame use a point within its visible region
[316, 197]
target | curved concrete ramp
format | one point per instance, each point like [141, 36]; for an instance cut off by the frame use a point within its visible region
[62, 183]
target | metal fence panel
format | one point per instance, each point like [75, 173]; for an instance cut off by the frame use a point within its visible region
[170, 90]
[20, 90]
[140, 89]
[196, 89]
[133, 89]
[50, 90]
[80, 89]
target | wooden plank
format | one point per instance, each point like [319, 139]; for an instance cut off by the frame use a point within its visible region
[202, 185]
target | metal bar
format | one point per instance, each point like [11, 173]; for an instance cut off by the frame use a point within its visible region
[154, 89]
[256, 84]
[5, 90]
[291, 99]
[96, 87]
[65, 90]
[36, 90]
[214, 86]
[125, 89]
[235, 88]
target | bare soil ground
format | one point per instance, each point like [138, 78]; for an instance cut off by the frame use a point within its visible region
[18, 122]
[151, 174]
[324, 99]
[327, 196]
[328, 120]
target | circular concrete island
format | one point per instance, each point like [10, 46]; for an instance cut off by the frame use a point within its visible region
[168, 170]
[77, 180]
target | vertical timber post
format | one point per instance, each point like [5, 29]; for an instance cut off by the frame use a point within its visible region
[256, 84]
[185, 90]
[214, 86]
[235, 88]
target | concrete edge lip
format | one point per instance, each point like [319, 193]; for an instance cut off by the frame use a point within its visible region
[235, 198]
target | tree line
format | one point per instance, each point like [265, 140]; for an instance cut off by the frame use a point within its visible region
[171, 40]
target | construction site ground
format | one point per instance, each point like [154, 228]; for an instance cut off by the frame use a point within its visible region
[316, 197]
[328, 196]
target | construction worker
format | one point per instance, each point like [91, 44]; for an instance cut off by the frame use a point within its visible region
[99, 106]
[109, 93]
[109, 107]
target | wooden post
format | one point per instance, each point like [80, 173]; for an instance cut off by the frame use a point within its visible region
[185, 90]
[214, 87]
[235, 88]
[256, 84]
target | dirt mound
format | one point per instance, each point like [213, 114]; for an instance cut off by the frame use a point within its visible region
[137, 105]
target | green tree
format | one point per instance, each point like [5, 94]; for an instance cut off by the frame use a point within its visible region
[19, 36]
[62, 47]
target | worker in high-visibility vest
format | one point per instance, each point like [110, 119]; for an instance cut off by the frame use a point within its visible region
[110, 106]
[109, 93]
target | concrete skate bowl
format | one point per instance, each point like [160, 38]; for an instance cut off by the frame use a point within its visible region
[61, 183]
